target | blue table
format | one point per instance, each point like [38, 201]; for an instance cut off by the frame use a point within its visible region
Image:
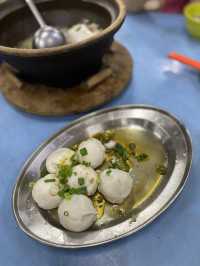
[173, 239]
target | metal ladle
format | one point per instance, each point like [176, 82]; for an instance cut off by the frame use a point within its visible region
[46, 36]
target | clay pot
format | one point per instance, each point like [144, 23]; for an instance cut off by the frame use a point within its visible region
[68, 64]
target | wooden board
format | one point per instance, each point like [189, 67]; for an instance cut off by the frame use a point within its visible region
[112, 79]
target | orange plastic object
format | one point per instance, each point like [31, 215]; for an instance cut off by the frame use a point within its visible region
[185, 60]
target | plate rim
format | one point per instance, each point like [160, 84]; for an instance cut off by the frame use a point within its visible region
[187, 136]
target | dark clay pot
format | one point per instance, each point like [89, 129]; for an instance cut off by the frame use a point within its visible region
[64, 65]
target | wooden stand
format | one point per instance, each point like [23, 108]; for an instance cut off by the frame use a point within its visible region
[38, 99]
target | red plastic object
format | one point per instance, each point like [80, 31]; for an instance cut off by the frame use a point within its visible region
[174, 5]
[185, 60]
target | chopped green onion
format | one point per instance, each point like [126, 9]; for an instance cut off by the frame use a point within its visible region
[104, 137]
[121, 151]
[65, 189]
[65, 171]
[74, 147]
[81, 181]
[74, 160]
[83, 152]
[119, 164]
[132, 148]
[68, 192]
[49, 180]
[79, 191]
[161, 170]
[68, 196]
[108, 172]
[88, 164]
[61, 193]
[142, 157]
[117, 212]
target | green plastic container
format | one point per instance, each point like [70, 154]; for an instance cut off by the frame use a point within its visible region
[192, 16]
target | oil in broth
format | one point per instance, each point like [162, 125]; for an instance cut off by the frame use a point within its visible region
[147, 180]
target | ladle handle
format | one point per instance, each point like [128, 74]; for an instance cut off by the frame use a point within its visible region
[36, 13]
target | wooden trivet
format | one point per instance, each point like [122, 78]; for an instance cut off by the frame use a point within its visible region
[39, 99]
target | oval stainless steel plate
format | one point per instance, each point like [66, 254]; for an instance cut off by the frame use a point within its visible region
[167, 129]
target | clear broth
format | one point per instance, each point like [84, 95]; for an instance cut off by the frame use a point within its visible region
[146, 182]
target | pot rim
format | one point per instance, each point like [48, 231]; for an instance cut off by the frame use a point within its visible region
[69, 47]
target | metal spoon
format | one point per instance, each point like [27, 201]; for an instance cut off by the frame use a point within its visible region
[46, 36]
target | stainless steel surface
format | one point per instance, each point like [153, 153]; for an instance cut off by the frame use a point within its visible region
[36, 13]
[168, 131]
[46, 36]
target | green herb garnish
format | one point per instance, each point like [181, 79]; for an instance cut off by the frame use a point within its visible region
[88, 164]
[74, 160]
[121, 151]
[117, 212]
[63, 189]
[50, 180]
[61, 193]
[79, 191]
[105, 137]
[81, 181]
[83, 152]
[161, 170]
[74, 147]
[108, 172]
[67, 192]
[67, 196]
[132, 148]
[119, 164]
[65, 171]
[141, 157]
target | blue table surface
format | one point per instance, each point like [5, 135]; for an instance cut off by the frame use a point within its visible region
[173, 239]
